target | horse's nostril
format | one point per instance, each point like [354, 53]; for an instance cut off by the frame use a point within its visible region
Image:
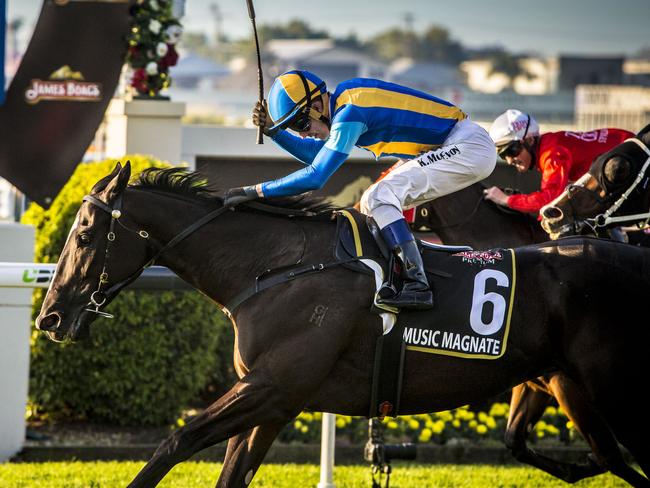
[552, 213]
[49, 322]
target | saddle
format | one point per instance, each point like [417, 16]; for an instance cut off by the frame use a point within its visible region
[358, 236]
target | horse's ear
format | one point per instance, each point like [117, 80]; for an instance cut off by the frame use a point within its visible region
[101, 184]
[644, 135]
[617, 170]
[118, 181]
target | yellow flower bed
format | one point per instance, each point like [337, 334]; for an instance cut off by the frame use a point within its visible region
[438, 428]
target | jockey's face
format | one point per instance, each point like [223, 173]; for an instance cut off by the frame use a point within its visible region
[520, 161]
[317, 128]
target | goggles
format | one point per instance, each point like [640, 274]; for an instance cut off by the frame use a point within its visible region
[513, 148]
[510, 150]
[298, 119]
[302, 122]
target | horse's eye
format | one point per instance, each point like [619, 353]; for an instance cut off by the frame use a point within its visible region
[84, 239]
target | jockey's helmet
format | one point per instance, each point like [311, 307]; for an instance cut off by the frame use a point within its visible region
[292, 94]
[513, 126]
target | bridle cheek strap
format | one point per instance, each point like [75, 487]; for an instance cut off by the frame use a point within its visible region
[99, 297]
[607, 218]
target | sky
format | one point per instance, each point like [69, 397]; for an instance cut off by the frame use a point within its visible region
[546, 27]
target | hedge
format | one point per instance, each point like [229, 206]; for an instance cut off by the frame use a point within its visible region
[155, 358]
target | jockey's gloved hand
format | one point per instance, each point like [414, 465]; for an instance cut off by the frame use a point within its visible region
[235, 196]
[261, 117]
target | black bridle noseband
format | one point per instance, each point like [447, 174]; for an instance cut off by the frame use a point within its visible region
[100, 297]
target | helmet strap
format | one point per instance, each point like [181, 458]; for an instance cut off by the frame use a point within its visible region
[532, 150]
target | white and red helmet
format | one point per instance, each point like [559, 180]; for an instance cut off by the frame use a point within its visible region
[513, 125]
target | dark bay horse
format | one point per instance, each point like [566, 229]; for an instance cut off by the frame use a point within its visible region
[287, 361]
[615, 191]
[465, 218]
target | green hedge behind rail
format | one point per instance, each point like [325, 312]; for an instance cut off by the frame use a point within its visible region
[141, 368]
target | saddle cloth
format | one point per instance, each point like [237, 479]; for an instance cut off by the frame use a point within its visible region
[473, 296]
[473, 292]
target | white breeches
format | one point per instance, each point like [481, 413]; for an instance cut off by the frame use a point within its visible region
[468, 155]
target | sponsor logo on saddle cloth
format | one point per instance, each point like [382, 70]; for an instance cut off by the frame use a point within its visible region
[474, 296]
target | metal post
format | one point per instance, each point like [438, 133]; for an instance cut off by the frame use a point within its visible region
[327, 451]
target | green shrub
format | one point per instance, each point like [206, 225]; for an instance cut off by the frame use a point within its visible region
[147, 364]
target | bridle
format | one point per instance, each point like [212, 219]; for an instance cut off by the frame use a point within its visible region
[100, 297]
[606, 217]
[577, 224]
[611, 203]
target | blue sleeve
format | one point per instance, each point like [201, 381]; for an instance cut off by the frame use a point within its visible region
[305, 150]
[332, 155]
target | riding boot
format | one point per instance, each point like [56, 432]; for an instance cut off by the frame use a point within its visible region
[415, 292]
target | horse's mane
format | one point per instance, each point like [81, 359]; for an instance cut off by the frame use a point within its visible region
[195, 186]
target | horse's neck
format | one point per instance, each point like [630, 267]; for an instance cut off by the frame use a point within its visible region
[464, 218]
[225, 255]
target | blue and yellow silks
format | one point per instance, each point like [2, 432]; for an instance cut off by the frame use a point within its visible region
[384, 118]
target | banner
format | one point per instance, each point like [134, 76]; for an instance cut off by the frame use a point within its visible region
[3, 32]
[60, 92]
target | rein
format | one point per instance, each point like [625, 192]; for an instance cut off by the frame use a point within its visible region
[267, 279]
[606, 218]
[99, 297]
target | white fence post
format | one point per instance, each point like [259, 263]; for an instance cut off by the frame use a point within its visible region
[327, 451]
[16, 244]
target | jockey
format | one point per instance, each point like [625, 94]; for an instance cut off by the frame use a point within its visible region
[445, 152]
[561, 157]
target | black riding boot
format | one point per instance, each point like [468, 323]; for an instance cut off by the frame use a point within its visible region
[415, 292]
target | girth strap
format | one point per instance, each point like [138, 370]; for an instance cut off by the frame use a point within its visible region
[272, 277]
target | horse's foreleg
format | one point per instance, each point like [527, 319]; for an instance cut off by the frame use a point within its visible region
[245, 454]
[252, 401]
[526, 408]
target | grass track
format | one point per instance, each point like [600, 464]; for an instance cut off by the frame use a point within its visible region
[202, 474]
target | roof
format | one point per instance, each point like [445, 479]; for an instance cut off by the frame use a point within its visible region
[408, 71]
[193, 65]
[290, 49]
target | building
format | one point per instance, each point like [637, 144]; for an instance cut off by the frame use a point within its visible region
[322, 56]
[636, 72]
[540, 76]
[581, 70]
[193, 70]
[430, 77]
[627, 107]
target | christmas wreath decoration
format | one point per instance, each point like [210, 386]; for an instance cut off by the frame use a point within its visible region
[151, 50]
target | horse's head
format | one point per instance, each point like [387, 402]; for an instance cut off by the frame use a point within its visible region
[616, 184]
[100, 256]
[567, 214]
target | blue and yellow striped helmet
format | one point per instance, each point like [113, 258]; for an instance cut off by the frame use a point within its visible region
[290, 94]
